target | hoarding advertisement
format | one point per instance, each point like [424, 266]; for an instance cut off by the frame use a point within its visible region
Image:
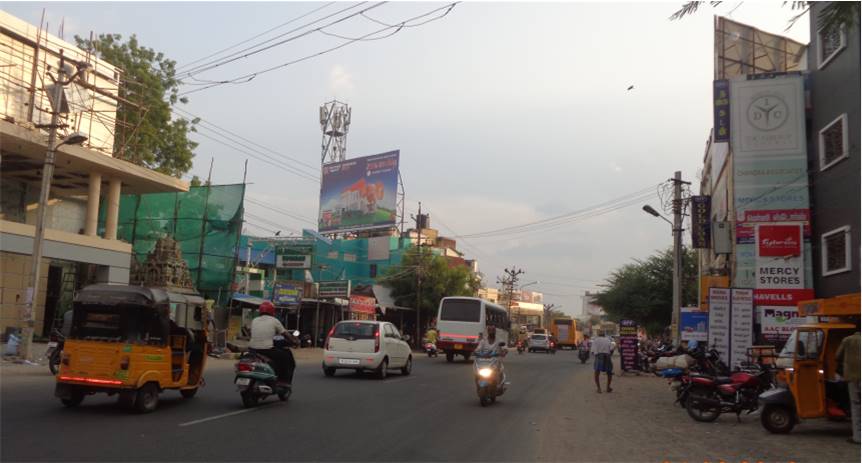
[362, 304]
[779, 259]
[359, 194]
[781, 297]
[693, 324]
[333, 289]
[700, 222]
[719, 320]
[777, 323]
[741, 326]
[629, 345]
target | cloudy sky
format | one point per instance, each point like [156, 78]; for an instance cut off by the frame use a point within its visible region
[505, 113]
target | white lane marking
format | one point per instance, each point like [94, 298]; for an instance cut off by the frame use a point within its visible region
[217, 417]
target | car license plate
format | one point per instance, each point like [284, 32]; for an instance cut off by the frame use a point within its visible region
[459, 346]
[243, 381]
[348, 361]
[52, 344]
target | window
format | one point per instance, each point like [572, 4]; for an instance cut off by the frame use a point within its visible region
[833, 142]
[835, 247]
[460, 310]
[355, 330]
[808, 344]
[388, 330]
[829, 45]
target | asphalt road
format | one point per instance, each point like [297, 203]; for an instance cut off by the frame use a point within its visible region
[551, 412]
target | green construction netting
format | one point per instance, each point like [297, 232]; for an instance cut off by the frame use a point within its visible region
[205, 221]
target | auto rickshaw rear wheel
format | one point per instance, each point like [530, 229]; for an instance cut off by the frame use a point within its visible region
[147, 398]
[75, 398]
[777, 419]
[188, 393]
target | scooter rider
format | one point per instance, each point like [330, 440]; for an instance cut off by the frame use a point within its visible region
[488, 344]
[263, 328]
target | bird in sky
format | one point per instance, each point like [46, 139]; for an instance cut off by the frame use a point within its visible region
[630, 87]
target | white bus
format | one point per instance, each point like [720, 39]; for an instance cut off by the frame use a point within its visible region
[461, 319]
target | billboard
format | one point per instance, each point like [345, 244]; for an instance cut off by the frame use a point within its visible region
[778, 323]
[359, 194]
[362, 304]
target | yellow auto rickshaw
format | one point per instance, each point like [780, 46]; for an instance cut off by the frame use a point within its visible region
[133, 341]
[809, 386]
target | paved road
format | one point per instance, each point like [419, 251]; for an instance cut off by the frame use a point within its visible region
[551, 413]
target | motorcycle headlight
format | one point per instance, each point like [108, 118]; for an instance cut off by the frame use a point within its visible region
[486, 372]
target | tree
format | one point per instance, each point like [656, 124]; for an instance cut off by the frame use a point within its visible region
[834, 16]
[439, 280]
[643, 290]
[146, 133]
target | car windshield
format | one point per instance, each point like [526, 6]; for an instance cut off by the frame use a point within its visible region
[355, 330]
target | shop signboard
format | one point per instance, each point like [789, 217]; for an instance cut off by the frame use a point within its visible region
[721, 110]
[359, 194]
[719, 320]
[333, 289]
[694, 324]
[286, 294]
[700, 222]
[707, 282]
[741, 325]
[781, 297]
[294, 255]
[779, 261]
[629, 345]
[777, 323]
[362, 304]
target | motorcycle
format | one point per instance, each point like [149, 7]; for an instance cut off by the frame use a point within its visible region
[520, 347]
[55, 351]
[430, 349]
[707, 397]
[552, 347]
[256, 378]
[583, 354]
[489, 377]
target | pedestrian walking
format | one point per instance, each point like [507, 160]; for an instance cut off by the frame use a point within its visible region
[848, 357]
[602, 347]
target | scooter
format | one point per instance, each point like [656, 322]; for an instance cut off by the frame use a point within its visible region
[55, 351]
[583, 355]
[256, 378]
[490, 380]
[430, 349]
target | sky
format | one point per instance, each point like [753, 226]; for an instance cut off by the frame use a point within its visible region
[504, 113]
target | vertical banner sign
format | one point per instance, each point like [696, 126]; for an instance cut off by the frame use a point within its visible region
[742, 325]
[693, 324]
[721, 110]
[778, 256]
[629, 345]
[719, 321]
[700, 222]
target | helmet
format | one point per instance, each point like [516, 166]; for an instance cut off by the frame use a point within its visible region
[266, 308]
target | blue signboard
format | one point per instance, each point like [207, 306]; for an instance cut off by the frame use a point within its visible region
[284, 294]
[693, 324]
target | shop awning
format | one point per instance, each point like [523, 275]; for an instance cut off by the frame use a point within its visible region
[385, 299]
[247, 299]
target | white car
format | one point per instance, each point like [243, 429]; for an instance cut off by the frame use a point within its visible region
[366, 346]
[540, 342]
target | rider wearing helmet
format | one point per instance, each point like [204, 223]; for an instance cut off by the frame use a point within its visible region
[263, 328]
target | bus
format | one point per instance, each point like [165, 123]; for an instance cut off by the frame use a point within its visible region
[461, 319]
[565, 330]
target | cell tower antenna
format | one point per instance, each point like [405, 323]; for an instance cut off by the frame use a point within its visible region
[335, 123]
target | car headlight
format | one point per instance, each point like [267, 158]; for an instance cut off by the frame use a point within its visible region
[486, 372]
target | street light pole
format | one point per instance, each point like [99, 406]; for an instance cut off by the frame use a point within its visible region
[28, 317]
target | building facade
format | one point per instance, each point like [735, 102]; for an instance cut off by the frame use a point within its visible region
[833, 157]
[75, 252]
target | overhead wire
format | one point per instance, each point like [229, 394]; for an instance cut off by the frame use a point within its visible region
[281, 211]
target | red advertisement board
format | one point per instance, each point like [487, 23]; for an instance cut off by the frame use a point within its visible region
[362, 304]
[781, 297]
[779, 241]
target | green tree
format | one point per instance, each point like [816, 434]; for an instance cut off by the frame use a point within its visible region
[439, 280]
[833, 16]
[148, 135]
[643, 290]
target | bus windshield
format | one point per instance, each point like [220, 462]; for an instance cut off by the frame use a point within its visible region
[460, 310]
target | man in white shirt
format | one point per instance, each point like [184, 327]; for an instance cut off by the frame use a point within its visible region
[263, 328]
[602, 347]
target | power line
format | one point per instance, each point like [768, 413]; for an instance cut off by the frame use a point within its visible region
[281, 211]
[249, 77]
[256, 36]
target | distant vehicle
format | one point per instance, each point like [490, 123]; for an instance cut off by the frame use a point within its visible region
[366, 346]
[565, 330]
[539, 342]
[461, 319]
[540, 331]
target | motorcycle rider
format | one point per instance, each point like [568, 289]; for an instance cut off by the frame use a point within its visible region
[431, 335]
[488, 344]
[263, 328]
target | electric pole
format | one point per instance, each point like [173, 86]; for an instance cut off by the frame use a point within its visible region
[420, 221]
[548, 309]
[508, 282]
[677, 253]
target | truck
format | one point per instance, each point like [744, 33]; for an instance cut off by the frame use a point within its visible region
[567, 333]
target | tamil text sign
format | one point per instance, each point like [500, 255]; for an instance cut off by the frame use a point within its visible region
[719, 320]
[294, 255]
[741, 325]
[359, 194]
[629, 345]
[700, 222]
[333, 289]
[721, 110]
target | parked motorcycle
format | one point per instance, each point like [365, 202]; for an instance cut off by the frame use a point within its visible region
[55, 350]
[256, 378]
[430, 349]
[489, 377]
[707, 397]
